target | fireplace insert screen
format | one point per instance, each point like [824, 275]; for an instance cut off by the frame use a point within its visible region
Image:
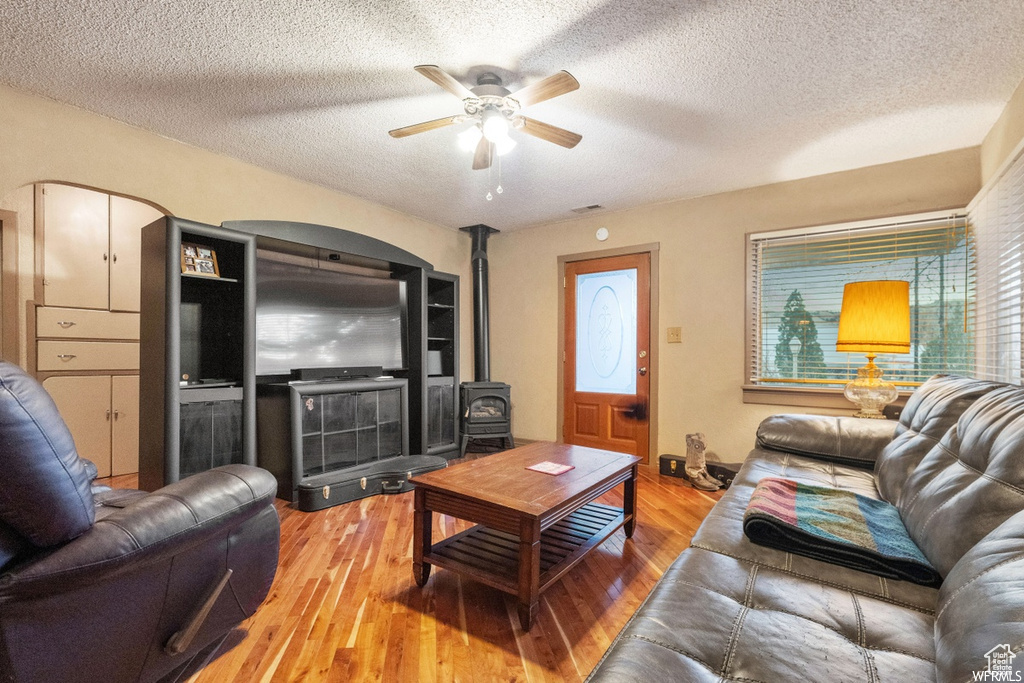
[488, 408]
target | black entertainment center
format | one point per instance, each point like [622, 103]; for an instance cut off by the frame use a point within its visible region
[323, 355]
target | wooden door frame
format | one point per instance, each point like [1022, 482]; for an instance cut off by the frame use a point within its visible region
[652, 249]
[9, 286]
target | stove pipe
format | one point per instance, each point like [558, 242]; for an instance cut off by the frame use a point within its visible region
[481, 316]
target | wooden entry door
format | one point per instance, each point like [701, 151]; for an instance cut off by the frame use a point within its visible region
[607, 336]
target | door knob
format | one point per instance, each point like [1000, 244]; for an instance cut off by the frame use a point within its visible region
[643, 370]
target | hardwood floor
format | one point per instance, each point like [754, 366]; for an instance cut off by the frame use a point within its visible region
[344, 606]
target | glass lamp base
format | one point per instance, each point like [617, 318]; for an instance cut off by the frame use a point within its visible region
[870, 392]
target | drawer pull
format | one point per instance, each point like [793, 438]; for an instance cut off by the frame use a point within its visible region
[117, 413]
[65, 323]
[66, 356]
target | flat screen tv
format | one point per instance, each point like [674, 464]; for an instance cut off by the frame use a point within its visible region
[316, 318]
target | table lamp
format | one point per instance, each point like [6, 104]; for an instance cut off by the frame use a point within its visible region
[875, 318]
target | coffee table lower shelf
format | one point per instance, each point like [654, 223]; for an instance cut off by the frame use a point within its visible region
[492, 557]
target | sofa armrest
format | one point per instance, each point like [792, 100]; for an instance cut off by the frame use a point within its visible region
[846, 440]
[149, 529]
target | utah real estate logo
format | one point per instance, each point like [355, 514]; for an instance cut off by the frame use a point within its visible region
[1000, 665]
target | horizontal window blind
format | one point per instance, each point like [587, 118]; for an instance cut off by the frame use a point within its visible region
[797, 291]
[997, 219]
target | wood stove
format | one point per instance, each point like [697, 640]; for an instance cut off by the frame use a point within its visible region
[486, 405]
[486, 412]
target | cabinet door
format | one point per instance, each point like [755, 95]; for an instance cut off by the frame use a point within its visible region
[84, 403]
[127, 218]
[75, 240]
[124, 427]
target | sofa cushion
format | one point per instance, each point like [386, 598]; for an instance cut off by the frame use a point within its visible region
[716, 618]
[930, 411]
[45, 496]
[970, 482]
[980, 605]
[842, 439]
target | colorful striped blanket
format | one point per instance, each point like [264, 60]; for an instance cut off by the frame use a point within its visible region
[836, 526]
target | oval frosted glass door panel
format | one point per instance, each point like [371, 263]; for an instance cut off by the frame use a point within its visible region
[606, 351]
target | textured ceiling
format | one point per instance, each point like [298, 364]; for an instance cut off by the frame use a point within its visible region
[676, 99]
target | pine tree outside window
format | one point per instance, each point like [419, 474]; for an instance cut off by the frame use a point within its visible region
[796, 280]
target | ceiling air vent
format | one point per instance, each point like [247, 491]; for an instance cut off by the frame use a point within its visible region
[587, 209]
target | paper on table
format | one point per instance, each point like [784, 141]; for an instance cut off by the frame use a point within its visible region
[548, 467]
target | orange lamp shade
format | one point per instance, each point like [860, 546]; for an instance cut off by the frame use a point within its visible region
[875, 317]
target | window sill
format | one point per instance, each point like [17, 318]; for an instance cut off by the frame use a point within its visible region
[805, 398]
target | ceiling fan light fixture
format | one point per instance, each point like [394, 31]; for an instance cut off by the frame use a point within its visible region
[492, 110]
[469, 138]
[494, 125]
[504, 146]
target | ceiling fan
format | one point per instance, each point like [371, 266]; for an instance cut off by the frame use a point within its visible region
[494, 109]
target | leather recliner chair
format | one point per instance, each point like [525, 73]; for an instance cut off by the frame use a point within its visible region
[117, 585]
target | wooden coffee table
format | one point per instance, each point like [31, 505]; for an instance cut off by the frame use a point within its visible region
[532, 527]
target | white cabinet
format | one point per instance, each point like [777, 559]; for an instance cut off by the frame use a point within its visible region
[88, 252]
[57, 356]
[124, 424]
[90, 247]
[127, 218]
[75, 240]
[80, 323]
[102, 412]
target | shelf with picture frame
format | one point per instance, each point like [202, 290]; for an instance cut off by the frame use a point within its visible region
[197, 361]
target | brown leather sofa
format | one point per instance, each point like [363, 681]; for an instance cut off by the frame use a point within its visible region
[115, 585]
[730, 610]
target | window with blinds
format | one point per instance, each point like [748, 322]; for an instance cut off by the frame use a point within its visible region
[797, 279]
[997, 219]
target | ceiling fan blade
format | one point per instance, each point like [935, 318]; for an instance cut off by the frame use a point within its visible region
[484, 154]
[445, 80]
[423, 127]
[552, 86]
[545, 131]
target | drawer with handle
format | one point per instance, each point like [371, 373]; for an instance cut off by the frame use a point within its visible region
[81, 323]
[86, 355]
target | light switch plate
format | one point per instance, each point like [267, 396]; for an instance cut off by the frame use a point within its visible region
[675, 335]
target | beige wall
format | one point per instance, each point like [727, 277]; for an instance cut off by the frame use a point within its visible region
[1005, 136]
[44, 140]
[701, 288]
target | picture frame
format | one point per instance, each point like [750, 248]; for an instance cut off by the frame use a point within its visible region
[199, 261]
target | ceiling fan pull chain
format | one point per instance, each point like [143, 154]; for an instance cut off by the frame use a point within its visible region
[490, 174]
